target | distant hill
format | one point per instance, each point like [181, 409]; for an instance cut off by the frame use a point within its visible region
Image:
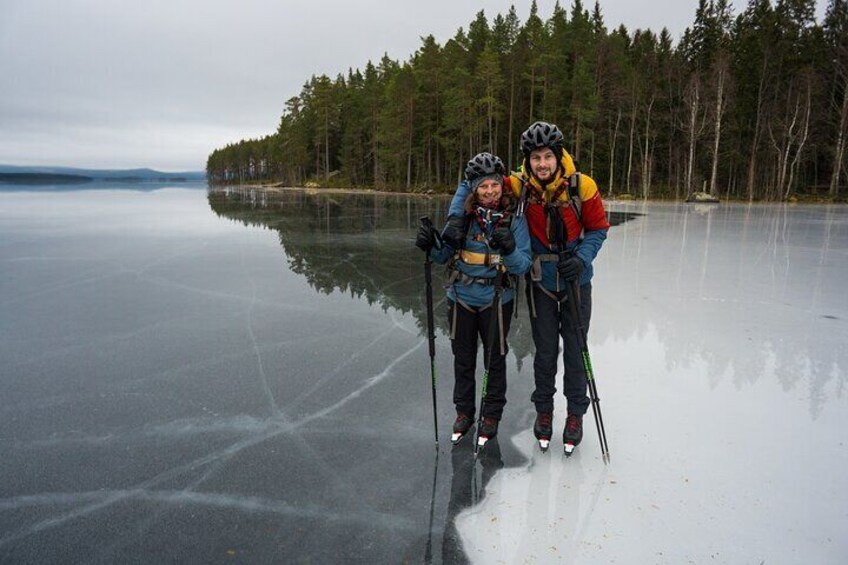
[42, 178]
[13, 174]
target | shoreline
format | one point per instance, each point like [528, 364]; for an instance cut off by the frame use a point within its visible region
[313, 190]
[615, 198]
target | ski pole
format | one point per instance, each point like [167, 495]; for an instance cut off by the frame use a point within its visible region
[431, 333]
[428, 550]
[587, 366]
[493, 332]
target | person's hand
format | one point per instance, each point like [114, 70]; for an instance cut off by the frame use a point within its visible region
[427, 238]
[571, 268]
[454, 232]
[502, 239]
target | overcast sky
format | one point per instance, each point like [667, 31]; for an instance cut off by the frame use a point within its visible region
[161, 83]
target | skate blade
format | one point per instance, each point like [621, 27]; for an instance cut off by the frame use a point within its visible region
[456, 438]
[482, 441]
[544, 444]
[569, 449]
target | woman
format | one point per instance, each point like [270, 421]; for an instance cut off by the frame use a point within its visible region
[481, 247]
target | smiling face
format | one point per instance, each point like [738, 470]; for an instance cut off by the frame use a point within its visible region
[543, 163]
[489, 193]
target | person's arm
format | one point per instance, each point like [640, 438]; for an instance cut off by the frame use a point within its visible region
[449, 244]
[521, 259]
[594, 220]
[457, 205]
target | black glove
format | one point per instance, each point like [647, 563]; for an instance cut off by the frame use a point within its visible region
[571, 268]
[454, 232]
[427, 238]
[502, 239]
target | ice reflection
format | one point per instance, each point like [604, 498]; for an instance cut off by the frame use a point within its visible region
[750, 290]
[360, 244]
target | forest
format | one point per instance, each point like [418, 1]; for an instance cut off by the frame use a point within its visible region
[749, 106]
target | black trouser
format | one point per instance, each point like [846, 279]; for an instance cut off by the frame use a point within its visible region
[554, 321]
[469, 327]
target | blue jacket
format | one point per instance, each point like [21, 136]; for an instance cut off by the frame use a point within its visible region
[517, 263]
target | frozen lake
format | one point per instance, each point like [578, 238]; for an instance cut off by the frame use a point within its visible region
[244, 378]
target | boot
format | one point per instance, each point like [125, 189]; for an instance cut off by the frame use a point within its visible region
[461, 426]
[543, 429]
[573, 432]
[488, 430]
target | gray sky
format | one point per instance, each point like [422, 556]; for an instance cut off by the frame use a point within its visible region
[161, 83]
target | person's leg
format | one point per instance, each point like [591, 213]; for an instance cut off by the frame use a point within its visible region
[574, 381]
[546, 334]
[464, 347]
[496, 386]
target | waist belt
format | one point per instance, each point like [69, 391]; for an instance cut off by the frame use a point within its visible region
[474, 258]
[457, 276]
[536, 267]
[547, 257]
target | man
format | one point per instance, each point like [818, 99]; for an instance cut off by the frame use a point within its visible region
[568, 225]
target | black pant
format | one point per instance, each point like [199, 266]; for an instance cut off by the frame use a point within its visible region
[554, 321]
[470, 326]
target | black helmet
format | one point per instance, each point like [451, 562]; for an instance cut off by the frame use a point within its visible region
[484, 165]
[542, 134]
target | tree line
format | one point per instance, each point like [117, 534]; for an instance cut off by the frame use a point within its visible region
[751, 105]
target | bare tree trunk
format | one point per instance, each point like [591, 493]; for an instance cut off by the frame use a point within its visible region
[577, 138]
[410, 119]
[511, 119]
[752, 163]
[592, 156]
[783, 146]
[630, 146]
[497, 133]
[719, 110]
[429, 160]
[612, 151]
[694, 102]
[438, 165]
[327, 146]
[676, 163]
[839, 156]
[532, 90]
[317, 160]
[646, 159]
[374, 147]
[491, 103]
[804, 133]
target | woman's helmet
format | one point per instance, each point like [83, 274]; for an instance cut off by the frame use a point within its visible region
[541, 134]
[483, 165]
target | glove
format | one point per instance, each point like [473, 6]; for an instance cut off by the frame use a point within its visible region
[571, 268]
[502, 239]
[427, 238]
[454, 232]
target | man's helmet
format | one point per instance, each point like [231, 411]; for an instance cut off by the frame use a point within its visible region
[542, 134]
[484, 165]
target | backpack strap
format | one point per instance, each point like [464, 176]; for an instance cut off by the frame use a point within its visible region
[576, 201]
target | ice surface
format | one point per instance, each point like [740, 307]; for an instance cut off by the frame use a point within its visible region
[718, 343]
[245, 376]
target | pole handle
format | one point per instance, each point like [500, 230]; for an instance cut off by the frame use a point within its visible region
[425, 222]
